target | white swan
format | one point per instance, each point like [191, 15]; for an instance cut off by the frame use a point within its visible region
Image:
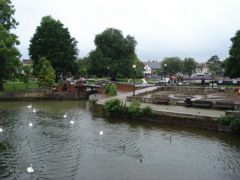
[30, 169]
[30, 124]
[65, 115]
[29, 106]
[1, 129]
[34, 110]
[72, 122]
[101, 133]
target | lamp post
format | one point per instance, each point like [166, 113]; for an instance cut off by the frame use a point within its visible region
[134, 74]
[108, 72]
[165, 66]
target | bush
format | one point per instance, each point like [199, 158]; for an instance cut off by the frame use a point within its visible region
[147, 111]
[111, 89]
[115, 107]
[232, 120]
[134, 109]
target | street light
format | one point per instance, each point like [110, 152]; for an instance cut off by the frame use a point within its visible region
[165, 65]
[134, 66]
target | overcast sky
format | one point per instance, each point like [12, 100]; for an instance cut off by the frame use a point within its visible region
[162, 28]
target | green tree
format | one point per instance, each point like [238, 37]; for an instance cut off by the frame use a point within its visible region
[189, 66]
[6, 15]
[46, 76]
[232, 63]
[172, 65]
[52, 41]
[114, 54]
[214, 65]
[9, 55]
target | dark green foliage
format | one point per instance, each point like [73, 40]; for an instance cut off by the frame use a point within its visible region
[214, 65]
[189, 66]
[111, 89]
[147, 111]
[173, 65]
[114, 54]
[46, 75]
[52, 41]
[6, 15]
[231, 120]
[9, 55]
[134, 110]
[232, 63]
[115, 107]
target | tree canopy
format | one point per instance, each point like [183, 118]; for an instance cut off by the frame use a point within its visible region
[52, 41]
[214, 65]
[172, 65]
[46, 76]
[189, 66]
[9, 55]
[114, 54]
[6, 15]
[232, 63]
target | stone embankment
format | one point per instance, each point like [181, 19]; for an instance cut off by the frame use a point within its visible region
[177, 115]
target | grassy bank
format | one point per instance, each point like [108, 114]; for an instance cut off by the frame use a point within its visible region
[11, 86]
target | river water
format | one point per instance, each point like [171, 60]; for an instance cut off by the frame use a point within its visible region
[128, 149]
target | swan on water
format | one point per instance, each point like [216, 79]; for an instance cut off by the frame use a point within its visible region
[30, 124]
[101, 133]
[1, 129]
[29, 106]
[71, 122]
[30, 169]
[65, 115]
[34, 110]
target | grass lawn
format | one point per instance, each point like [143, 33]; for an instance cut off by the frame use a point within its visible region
[11, 86]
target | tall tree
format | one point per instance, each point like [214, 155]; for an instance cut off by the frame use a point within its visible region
[6, 15]
[52, 41]
[46, 76]
[189, 66]
[114, 54]
[214, 65]
[172, 65]
[232, 63]
[9, 55]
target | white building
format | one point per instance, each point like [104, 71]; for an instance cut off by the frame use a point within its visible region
[151, 68]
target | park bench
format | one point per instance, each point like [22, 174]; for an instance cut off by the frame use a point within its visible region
[160, 99]
[202, 103]
[224, 104]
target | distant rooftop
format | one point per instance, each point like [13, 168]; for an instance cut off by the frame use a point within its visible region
[153, 64]
[27, 61]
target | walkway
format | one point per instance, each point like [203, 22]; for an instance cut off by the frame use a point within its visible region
[168, 108]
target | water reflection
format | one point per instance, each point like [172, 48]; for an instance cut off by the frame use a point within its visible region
[128, 149]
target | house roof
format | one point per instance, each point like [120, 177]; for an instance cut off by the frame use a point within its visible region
[27, 61]
[202, 65]
[153, 64]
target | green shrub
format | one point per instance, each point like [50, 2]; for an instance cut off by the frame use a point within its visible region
[111, 89]
[232, 120]
[147, 111]
[134, 109]
[115, 107]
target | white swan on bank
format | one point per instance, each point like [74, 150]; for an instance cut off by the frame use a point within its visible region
[30, 169]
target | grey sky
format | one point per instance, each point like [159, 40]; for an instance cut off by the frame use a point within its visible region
[162, 28]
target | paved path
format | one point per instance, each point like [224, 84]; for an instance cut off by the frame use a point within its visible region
[168, 108]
